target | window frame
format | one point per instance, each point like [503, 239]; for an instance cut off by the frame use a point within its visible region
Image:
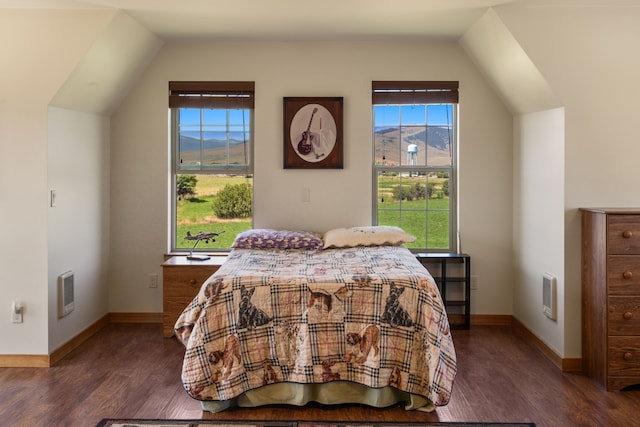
[206, 95]
[420, 93]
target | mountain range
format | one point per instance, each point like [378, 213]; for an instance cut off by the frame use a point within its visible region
[392, 144]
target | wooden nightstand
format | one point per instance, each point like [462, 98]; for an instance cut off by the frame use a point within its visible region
[181, 281]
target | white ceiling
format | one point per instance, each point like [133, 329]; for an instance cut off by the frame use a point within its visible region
[303, 19]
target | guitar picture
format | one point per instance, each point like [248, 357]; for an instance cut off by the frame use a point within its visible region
[305, 145]
[311, 134]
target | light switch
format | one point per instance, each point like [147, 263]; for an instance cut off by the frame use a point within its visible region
[306, 194]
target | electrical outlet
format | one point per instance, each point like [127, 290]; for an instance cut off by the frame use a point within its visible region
[474, 283]
[153, 280]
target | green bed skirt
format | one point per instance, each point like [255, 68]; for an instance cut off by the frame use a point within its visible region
[332, 393]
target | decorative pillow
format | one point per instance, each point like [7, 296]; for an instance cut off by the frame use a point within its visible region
[379, 235]
[267, 238]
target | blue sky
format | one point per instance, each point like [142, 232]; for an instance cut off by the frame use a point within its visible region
[384, 116]
[391, 115]
[192, 115]
[215, 123]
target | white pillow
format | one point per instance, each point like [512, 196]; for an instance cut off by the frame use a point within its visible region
[377, 235]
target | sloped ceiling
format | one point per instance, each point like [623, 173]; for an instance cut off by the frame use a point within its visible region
[506, 65]
[110, 68]
[140, 27]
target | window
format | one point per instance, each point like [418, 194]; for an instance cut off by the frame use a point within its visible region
[212, 166]
[414, 167]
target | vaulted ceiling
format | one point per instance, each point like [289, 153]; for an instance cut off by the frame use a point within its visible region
[140, 27]
[302, 19]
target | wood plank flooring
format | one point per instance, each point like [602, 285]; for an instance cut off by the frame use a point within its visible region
[130, 371]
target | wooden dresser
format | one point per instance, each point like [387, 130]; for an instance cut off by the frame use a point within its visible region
[611, 296]
[181, 281]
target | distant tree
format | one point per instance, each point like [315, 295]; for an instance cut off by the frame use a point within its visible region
[416, 191]
[233, 201]
[401, 192]
[445, 187]
[185, 186]
[431, 187]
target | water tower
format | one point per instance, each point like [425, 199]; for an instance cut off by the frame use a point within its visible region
[412, 154]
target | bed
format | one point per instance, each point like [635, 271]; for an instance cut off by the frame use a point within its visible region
[293, 317]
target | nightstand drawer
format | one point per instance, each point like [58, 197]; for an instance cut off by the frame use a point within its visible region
[182, 279]
[624, 316]
[623, 234]
[175, 305]
[184, 282]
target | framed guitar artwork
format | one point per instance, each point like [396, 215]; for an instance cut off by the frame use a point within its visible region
[313, 133]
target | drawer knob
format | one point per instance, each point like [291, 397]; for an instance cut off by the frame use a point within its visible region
[627, 274]
[627, 315]
[627, 356]
[627, 234]
[192, 281]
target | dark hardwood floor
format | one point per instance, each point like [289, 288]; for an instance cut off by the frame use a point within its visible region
[130, 371]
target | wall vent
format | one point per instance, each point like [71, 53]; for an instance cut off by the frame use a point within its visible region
[65, 294]
[549, 298]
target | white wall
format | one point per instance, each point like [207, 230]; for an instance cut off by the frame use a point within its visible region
[34, 66]
[76, 61]
[539, 220]
[140, 163]
[586, 56]
[78, 170]
[538, 170]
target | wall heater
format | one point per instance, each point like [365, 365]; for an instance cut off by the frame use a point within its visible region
[65, 294]
[549, 298]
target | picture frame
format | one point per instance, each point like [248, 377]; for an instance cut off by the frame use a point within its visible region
[313, 133]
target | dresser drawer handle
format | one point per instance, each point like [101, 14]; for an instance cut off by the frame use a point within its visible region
[627, 274]
[627, 356]
[627, 234]
[192, 281]
[627, 315]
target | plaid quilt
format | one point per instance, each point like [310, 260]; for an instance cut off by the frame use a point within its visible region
[370, 315]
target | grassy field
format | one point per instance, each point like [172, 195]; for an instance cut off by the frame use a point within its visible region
[416, 215]
[415, 221]
[229, 231]
[196, 214]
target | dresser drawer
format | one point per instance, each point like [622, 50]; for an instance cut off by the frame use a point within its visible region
[623, 274]
[623, 234]
[624, 316]
[624, 356]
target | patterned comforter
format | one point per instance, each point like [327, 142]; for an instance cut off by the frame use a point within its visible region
[369, 315]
